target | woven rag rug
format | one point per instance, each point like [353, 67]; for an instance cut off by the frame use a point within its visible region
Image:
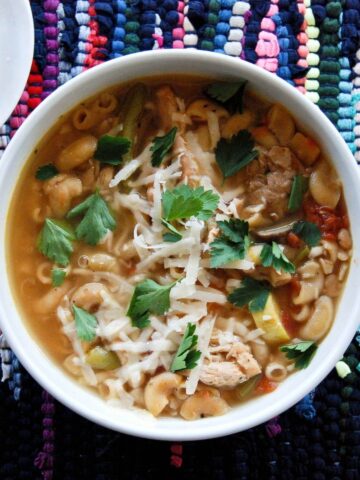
[313, 45]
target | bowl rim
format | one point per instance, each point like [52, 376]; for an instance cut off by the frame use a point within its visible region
[195, 430]
[24, 19]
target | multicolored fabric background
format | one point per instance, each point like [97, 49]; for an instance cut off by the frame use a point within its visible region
[312, 44]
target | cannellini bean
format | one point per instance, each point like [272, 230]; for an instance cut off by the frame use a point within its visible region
[77, 153]
[159, 389]
[332, 286]
[326, 265]
[320, 321]
[61, 190]
[203, 404]
[324, 185]
[344, 239]
[102, 262]
[311, 284]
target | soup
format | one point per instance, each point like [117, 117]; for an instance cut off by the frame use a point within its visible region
[179, 245]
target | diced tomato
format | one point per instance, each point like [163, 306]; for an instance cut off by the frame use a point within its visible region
[265, 386]
[290, 325]
[328, 220]
[293, 240]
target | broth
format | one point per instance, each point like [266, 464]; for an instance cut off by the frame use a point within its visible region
[256, 265]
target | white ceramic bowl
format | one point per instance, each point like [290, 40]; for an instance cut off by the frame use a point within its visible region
[16, 52]
[256, 411]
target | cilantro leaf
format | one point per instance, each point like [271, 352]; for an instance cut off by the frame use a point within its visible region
[110, 149]
[230, 94]
[234, 229]
[97, 221]
[148, 297]
[251, 292]
[55, 241]
[309, 232]
[301, 352]
[162, 146]
[234, 154]
[185, 202]
[298, 188]
[58, 276]
[174, 235]
[85, 324]
[273, 256]
[232, 243]
[45, 172]
[186, 356]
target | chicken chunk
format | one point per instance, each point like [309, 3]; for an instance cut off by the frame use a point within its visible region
[222, 374]
[238, 366]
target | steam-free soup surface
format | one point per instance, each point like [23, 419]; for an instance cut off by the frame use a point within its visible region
[179, 245]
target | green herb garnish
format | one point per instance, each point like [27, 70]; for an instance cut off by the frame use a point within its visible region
[301, 352]
[186, 356]
[148, 297]
[230, 94]
[161, 147]
[85, 324]
[234, 154]
[298, 188]
[309, 232]
[273, 256]
[97, 220]
[174, 235]
[185, 202]
[251, 292]
[232, 243]
[111, 149]
[58, 276]
[55, 241]
[45, 172]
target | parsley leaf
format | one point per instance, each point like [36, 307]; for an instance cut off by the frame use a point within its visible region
[110, 149]
[45, 172]
[55, 241]
[185, 202]
[234, 154]
[273, 256]
[148, 297]
[186, 356]
[252, 293]
[174, 235]
[232, 243]
[309, 232]
[85, 324]
[301, 352]
[298, 188]
[97, 221]
[58, 276]
[161, 146]
[230, 94]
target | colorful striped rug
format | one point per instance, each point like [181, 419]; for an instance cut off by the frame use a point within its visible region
[312, 44]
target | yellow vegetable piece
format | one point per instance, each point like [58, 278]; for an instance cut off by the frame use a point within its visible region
[264, 137]
[269, 321]
[102, 359]
[281, 124]
[239, 121]
[305, 148]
